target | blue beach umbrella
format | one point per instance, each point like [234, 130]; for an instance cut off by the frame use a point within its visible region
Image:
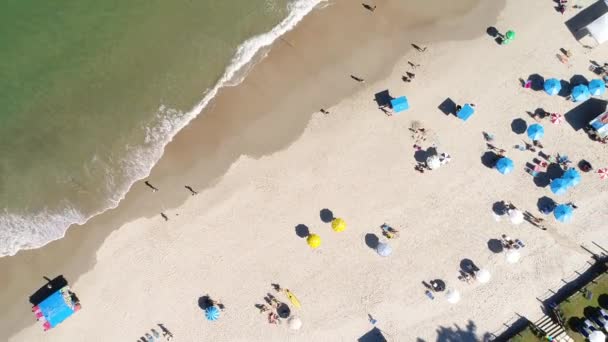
[212, 313]
[536, 132]
[572, 176]
[504, 165]
[552, 86]
[563, 213]
[559, 186]
[580, 93]
[597, 87]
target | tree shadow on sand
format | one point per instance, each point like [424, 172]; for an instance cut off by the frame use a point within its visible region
[468, 334]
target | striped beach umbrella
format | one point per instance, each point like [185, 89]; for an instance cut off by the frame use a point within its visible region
[563, 213]
[580, 93]
[557, 118]
[597, 87]
[603, 172]
[536, 131]
[552, 86]
[504, 165]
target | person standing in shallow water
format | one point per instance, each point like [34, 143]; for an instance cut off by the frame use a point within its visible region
[154, 189]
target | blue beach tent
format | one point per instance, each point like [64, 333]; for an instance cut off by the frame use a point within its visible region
[400, 104]
[580, 93]
[465, 112]
[56, 308]
[504, 165]
[563, 213]
[536, 131]
[552, 86]
[597, 87]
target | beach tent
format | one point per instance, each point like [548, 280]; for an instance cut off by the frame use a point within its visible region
[483, 276]
[597, 87]
[504, 165]
[598, 29]
[559, 186]
[512, 256]
[563, 213]
[516, 216]
[453, 296]
[552, 86]
[580, 93]
[572, 176]
[465, 112]
[57, 307]
[536, 131]
[400, 104]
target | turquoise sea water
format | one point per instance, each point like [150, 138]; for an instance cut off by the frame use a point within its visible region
[91, 91]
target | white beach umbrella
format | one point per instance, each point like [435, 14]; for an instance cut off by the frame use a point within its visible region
[384, 249]
[483, 276]
[453, 296]
[516, 216]
[433, 162]
[597, 336]
[512, 256]
[294, 322]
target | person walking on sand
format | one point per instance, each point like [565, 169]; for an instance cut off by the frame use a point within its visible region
[413, 65]
[154, 189]
[358, 79]
[369, 7]
[324, 111]
[164, 216]
[191, 190]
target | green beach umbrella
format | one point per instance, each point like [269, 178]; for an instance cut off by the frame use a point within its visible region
[510, 35]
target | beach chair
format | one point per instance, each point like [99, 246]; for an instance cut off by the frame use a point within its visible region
[465, 112]
[400, 104]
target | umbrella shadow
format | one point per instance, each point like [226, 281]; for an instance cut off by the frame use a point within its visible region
[205, 302]
[566, 88]
[372, 240]
[468, 266]
[554, 171]
[383, 98]
[519, 126]
[326, 215]
[489, 159]
[538, 82]
[499, 208]
[495, 246]
[492, 31]
[542, 180]
[302, 231]
[578, 79]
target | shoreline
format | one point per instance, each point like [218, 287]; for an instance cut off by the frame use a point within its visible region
[215, 144]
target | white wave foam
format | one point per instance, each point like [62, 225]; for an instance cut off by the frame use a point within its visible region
[33, 231]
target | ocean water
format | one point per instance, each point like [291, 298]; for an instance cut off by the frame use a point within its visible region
[92, 91]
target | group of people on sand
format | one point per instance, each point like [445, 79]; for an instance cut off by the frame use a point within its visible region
[155, 336]
[155, 189]
[274, 309]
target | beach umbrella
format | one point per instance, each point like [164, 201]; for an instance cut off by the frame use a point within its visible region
[453, 296]
[516, 216]
[483, 276]
[556, 118]
[563, 213]
[597, 336]
[384, 249]
[433, 162]
[536, 132]
[504, 165]
[559, 186]
[603, 172]
[512, 256]
[597, 87]
[338, 225]
[510, 35]
[552, 86]
[313, 240]
[212, 313]
[580, 93]
[572, 176]
[294, 323]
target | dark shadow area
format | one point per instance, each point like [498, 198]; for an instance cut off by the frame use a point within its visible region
[577, 23]
[302, 231]
[542, 180]
[566, 88]
[492, 31]
[499, 208]
[326, 215]
[448, 107]
[371, 240]
[545, 204]
[489, 159]
[554, 171]
[495, 246]
[519, 126]
[374, 335]
[468, 266]
[421, 156]
[590, 312]
[383, 98]
[48, 289]
[468, 334]
[574, 323]
[205, 302]
[578, 79]
[538, 82]
[603, 300]
[513, 330]
[579, 116]
[283, 310]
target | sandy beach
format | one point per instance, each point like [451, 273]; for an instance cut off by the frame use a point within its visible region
[265, 161]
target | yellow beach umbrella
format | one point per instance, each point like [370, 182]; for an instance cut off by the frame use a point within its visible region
[292, 298]
[338, 225]
[313, 240]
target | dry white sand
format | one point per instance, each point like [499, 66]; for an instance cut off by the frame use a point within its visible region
[233, 240]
